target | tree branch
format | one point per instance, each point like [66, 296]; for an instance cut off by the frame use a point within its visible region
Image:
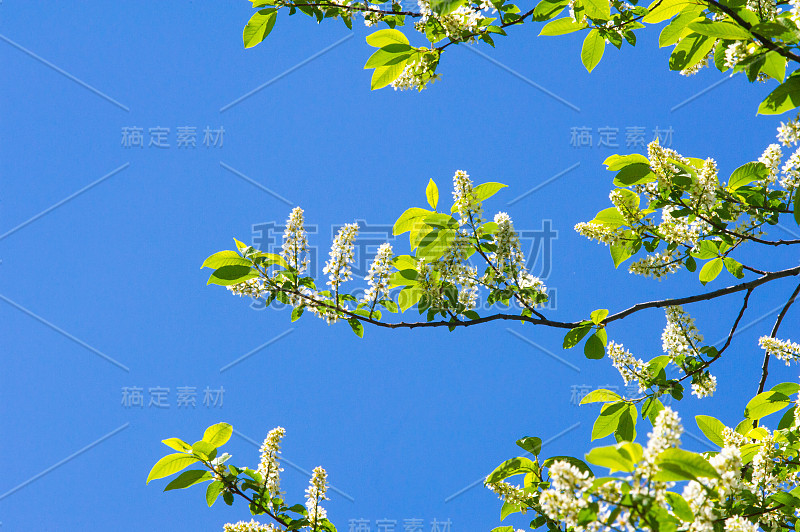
[765, 365]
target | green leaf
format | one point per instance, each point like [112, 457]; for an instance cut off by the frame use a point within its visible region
[707, 249]
[691, 50]
[510, 468]
[228, 275]
[673, 31]
[710, 270]
[617, 162]
[548, 9]
[680, 507]
[218, 435]
[445, 7]
[720, 30]
[409, 220]
[746, 174]
[531, 444]
[592, 51]
[598, 9]
[599, 396]
[620, 252]
[607, 421]
[357, 327]
[259, 26]
[383, 76]
[576, 335]
[389, 55]
[225, 258]
[594, 348]
[712, 428]
[634, 174]
[213, 491]
[408, 297]
[561, 26]
[784, 98]
[297, 312]
[189, 478]
[599, 315]
[774, 66]
[177, 444]
[796, 207]
[204, 450]
[485, 191]
[172, 463]
[611, 217]
[611, 457]
[626, 426]
[661, 10]
[734, 267]
[432, 193]
[385, 37]
[678, 464]
[765, 404]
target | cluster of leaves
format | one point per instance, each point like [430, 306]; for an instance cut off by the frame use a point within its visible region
[747, 200]
[227, 480]
[776, 502]
[764, 39]
[417, 275]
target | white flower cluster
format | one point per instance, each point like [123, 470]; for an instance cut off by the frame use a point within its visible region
[791, 171]
[704, 385]
[735, 53]
[254, 288]
[703, 192]
[662, 168]
[772, 160]
[666, 434]
[341, 255]
[467, 18]
[681, 336]
[378, 276]
[676, 230]
[249, 526]
[510, 493]
[794, 12]
[295, 242]
[657, 265]
[765, 9]
[466, 202]
[785, 350]
[564, 500]
[453, 268]
[629, 367]
[626, 208]
[602, 233]
[738, 523]
[508, 251]
[269, 468]
[315, 494]
[789, 133]
[418, 73]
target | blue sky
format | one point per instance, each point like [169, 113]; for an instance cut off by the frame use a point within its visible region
[103, 291]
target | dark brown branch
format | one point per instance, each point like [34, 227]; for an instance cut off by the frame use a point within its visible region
[705, 297]
[773, 334]
[736, 322]
[765, 42]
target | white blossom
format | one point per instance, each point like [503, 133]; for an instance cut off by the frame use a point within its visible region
[785, 350]
[681, 336]
[315, 494]
[629, 367]
[341, 255]
[269, 467]
[295, 242]
[378, 276]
